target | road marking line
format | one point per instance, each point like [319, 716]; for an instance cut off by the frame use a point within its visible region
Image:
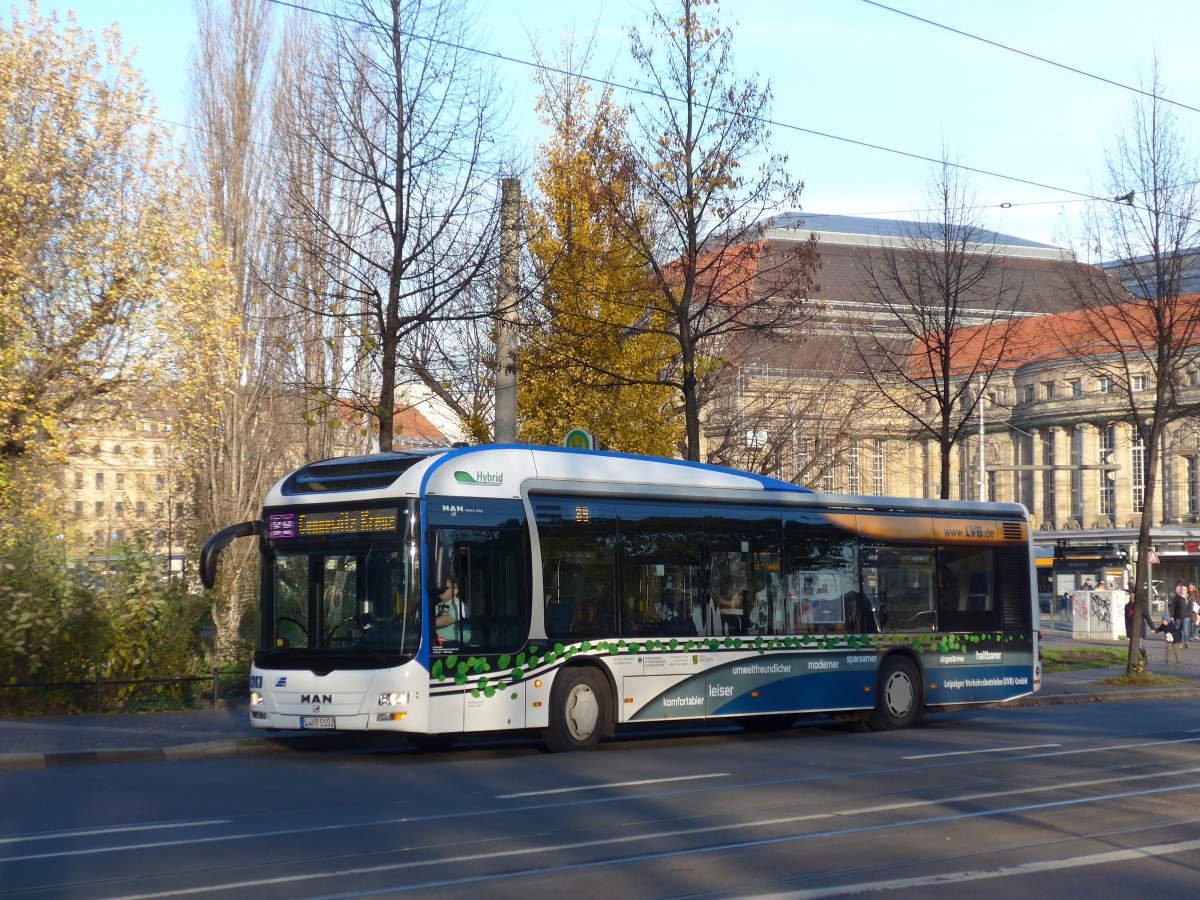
[1095, 859]
[614, 784]
[116, 829]
[973, 752]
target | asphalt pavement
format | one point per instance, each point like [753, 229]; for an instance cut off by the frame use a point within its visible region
[224, 732]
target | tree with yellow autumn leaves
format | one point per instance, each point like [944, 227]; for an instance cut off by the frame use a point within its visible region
[113, 305]
[106, 284]
[586, 361]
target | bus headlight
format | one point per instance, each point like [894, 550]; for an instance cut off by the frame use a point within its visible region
[256, 699]
[396, 698]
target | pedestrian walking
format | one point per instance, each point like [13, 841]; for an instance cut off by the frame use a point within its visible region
[1181, 613]
[1170, 632]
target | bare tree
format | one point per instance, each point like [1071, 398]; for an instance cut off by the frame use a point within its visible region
[239, 455]
[926, 352]
[798, 423]
[400, 126]
[305, 220]
[1145, 344]
[697, 216]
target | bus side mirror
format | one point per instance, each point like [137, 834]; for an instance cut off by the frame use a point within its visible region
[439, 566]
[218, 542]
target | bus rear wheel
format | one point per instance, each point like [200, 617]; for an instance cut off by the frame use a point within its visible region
[577, 711]
[898, 696]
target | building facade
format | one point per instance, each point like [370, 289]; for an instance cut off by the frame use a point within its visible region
[1052, 427]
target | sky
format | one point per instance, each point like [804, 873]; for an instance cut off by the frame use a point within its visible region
[860, 90]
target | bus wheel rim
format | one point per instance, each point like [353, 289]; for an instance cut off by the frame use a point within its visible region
[582, 711]
[899, 694]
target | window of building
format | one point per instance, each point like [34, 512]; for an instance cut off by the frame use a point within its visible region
[853, 473]
[120, 481]
[160, 482]
[1139, 474]
[116, 450]
[1139, 382]
[1108, 477]
[79, 509]
[964, 470]
[1105, 385]
[1193, 485]
[99, 481]
[99, 509]
[139, 509]
[927, 469]
[1024, 448]
[1048, 390]
[1194, 378]
[1076, 387]
[119, 510]
[823, 451]
[1048, 494]
[756, 438]
[78, 480]
[1029, 393]
[878, 470]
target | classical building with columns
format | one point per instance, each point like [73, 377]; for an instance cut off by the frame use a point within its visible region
[1054, 425]
[1057, 438]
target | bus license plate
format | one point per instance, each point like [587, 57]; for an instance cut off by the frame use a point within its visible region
[317, 722]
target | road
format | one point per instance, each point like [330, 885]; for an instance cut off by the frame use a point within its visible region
[1096, 800]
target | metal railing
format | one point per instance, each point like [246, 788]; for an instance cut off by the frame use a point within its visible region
[105, 694]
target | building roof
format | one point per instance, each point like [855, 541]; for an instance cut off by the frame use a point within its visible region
[1067, 335]
[864, 231]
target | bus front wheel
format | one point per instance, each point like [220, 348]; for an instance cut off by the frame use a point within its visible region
[898, 696]
[576, 711]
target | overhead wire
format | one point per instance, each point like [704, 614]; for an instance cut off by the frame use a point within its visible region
[634, 89]
[1042, 59]
[1078, 196]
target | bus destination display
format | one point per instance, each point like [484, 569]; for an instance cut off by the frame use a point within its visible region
[324, 524]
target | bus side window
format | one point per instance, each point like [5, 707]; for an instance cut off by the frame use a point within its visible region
[972, 605]
[578, 563]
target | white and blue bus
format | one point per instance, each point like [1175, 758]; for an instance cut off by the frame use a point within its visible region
[440, 592]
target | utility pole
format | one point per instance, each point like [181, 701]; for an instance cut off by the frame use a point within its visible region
[505, 429]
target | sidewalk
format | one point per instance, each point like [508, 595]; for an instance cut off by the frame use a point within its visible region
[225, 732]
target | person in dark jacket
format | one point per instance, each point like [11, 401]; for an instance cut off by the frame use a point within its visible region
[1181, 612]
[1137, 617]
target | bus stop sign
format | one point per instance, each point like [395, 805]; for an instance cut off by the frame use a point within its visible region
[580, 439]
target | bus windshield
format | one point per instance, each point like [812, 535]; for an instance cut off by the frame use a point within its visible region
[361, 601]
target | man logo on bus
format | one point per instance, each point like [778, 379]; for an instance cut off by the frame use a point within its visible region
[453, 510]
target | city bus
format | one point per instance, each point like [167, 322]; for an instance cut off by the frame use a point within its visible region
[483, 589]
